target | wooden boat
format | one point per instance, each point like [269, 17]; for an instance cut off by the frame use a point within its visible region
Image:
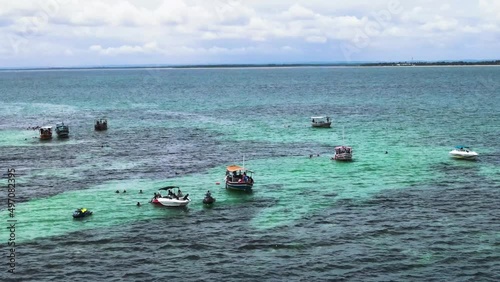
[101, 124]
[45, 132]
[343, 153]
[237, 178]
[62, 130]
[321, 121]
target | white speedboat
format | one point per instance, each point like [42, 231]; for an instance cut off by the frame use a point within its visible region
[172, 199]
[463, 152]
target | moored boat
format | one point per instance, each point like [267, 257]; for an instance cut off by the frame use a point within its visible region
[463, 152]
[46, 132]
[343, 153]
[101, 124]
[237, 178]
[62, 130]
[321, 121]
[174, 197]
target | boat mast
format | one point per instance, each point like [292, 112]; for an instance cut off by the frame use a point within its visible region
[343, 141]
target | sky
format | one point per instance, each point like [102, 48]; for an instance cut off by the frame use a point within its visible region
[72, 33]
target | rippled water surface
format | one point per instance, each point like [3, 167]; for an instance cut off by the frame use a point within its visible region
[401, 211]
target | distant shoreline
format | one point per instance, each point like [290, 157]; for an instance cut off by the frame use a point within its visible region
[208, 66]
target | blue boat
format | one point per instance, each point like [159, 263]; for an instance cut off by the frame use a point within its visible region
[237, 178]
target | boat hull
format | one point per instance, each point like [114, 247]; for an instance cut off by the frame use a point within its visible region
[322, 125]
[100, 127]
[62, 133]
[343, 157]
[463, 155]
[239, 186]
[166, 202]
[82, 215]
[208, 200]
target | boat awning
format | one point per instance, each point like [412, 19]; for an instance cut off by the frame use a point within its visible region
[46, 127]
[168, 187]
[232, 168]
[323, 117]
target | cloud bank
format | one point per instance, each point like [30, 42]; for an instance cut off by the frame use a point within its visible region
[79, 33]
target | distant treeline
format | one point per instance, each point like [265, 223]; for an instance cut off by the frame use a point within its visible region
[441, 63]
[334, 64]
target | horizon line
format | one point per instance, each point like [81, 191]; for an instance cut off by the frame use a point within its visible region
[250, 65]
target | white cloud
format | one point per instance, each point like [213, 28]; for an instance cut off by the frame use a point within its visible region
[316, 39]
[125, 49]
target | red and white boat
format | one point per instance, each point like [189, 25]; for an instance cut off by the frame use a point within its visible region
[173, 198]
[45, 132]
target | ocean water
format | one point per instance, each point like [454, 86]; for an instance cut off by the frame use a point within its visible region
[411, 214]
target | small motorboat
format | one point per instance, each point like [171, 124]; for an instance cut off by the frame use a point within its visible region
[174, 197]
[81, 212]
[208, 200]
[463, 152]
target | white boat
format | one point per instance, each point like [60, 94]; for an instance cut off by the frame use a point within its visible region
[172, 199]
[322, 121]
[463, 152]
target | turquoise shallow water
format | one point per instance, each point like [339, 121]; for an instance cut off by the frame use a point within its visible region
[409, 214]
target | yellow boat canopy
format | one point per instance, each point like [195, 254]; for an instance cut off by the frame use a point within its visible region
[232, 168]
